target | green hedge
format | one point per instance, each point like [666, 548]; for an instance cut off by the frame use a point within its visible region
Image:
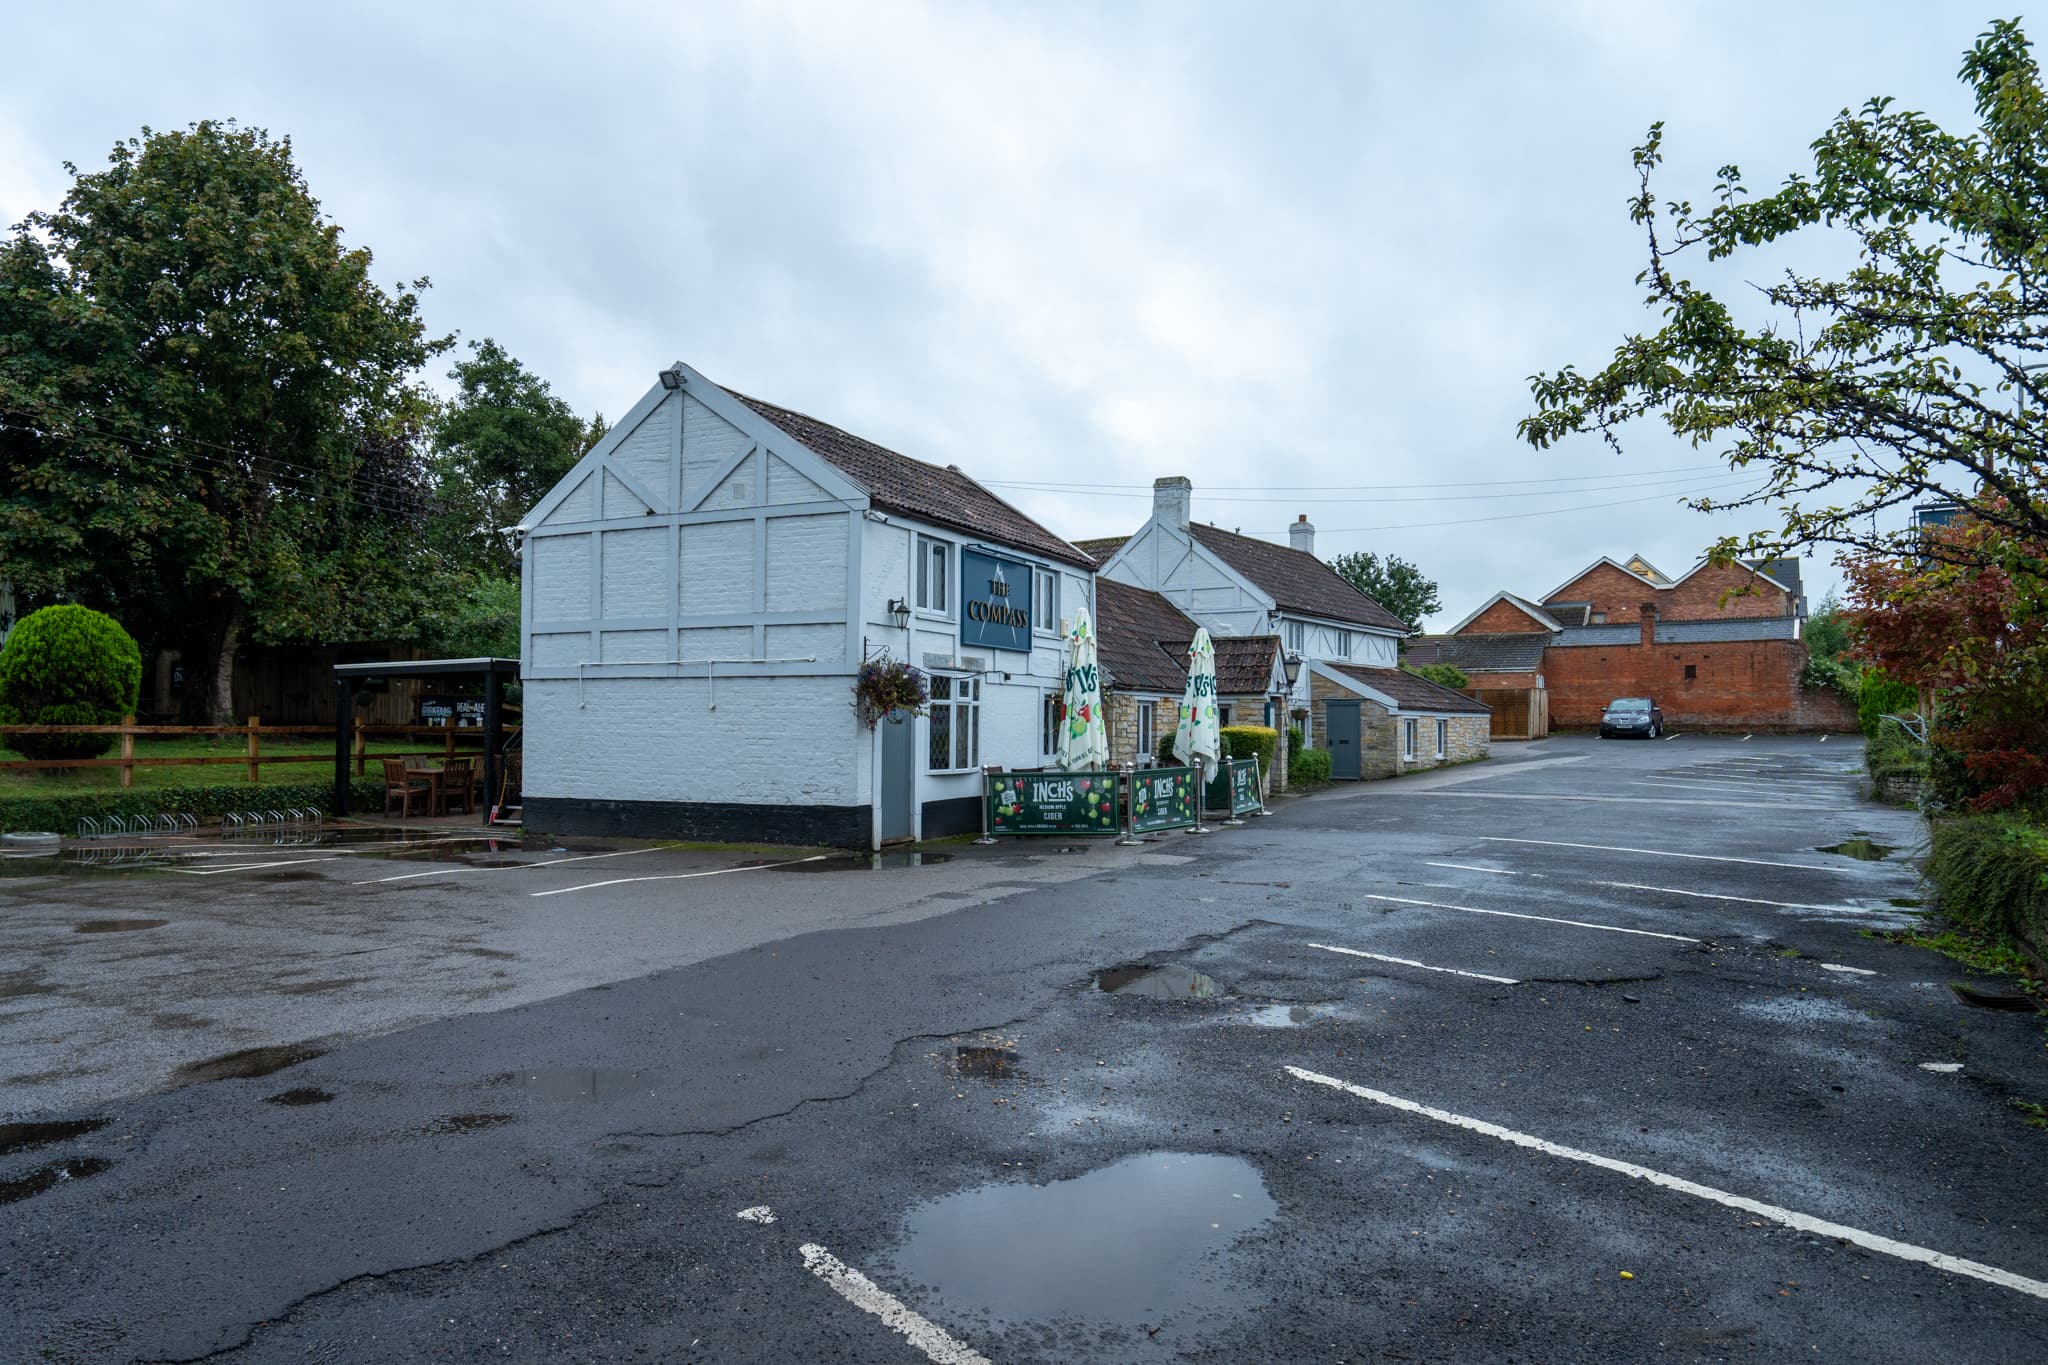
[1879, 696]
[1295, 741]
[61, 814]
[67, 665]
[1990, 877]
[1308, 767]
[1251, 741]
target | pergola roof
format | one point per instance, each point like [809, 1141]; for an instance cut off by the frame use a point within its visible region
[428, 668]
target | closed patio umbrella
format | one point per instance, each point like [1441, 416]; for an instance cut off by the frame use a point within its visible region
[1196, 738]
[1084, 737]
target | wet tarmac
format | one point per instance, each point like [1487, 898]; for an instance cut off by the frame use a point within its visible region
[1861, 849]
[51, 1176]
[579, 1082]
[1157, 983]
[249, 1062]
[116, 926]
[23, 1137]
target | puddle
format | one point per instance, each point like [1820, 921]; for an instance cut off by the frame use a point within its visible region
[1131, 1244]
[579, 1082]
[51, 1176]
[254, 1061]
[464, 1123]
[1861, 849]
[130, 856]
[304, 1095]
[1157, 983]
[2014, 1002]
[20, 1137]
[1283, 1016]
[988, 1063]
[861, 862]
[117, 926]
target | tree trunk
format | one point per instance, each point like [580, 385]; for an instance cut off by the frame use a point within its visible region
[220, 688]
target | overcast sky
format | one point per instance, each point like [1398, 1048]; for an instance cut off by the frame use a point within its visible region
[1306, 254]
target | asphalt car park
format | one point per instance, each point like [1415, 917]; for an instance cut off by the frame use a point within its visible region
[1590, 1053]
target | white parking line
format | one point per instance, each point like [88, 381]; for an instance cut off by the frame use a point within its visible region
[1756, 797]
[1465, 794]
[1818, 1227]
[452, 871]
[863, 1293]
[1850, 971]
[1545, 919]
[1654, 852]
[1496, 871]
[678, 876]
[1747, 900]
[1411, 962]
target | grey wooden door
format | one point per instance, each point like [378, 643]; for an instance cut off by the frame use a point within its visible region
[898, 783]
[1340, 732]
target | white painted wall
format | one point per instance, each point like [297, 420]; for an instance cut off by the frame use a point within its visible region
[1167, 560]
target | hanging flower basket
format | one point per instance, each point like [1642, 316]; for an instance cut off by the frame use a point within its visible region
[886, 686]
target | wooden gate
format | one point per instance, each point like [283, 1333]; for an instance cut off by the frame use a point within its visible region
[1518, 712]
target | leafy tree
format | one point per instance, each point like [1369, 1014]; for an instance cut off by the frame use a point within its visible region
[1913, 375]
[67, 665]
[207, 408]
[1394, 583]
[1444, 675]
[1827, 630]
[477, 618]
[500, 444]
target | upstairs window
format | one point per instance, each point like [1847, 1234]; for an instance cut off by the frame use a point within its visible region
[1294, 635]
[1045, 601]
[934, 575]
[1343, 638]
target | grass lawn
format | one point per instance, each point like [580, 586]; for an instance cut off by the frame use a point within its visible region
[318, 767]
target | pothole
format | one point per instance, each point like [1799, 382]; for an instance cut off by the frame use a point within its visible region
[988, 1063]
[1133, 1244]
[116, 926]
[1168, 982]
[304, 1095]
[22, 1137]
[464, 1123]
[254, 1061]
[1862, 849]
[1283, 1016]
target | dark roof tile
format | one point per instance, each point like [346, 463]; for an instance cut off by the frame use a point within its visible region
[935, 493]
[1100, 548]
[1139, 638]
[1411, 691]
[1481, 653]
[1296, 580]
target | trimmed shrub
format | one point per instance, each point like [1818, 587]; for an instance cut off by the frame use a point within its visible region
[68, 665]
[1163, 751]
[1990, 877]
[1878, 696]
[1309, 768]
[1294, 741]
[1251, 741]
[61, 814]
[1443, 675]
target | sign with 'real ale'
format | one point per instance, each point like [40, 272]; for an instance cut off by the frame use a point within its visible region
[1053, 803]
[995, 601]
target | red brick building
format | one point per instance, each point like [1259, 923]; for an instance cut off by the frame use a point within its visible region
[1719, 647]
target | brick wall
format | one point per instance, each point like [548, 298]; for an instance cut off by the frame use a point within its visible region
[1621, 596]
[1748, 685]
[1503, 618]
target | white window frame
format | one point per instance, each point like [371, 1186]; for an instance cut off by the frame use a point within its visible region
[1148, 732]
[1045, 601]
[961, 706]
[1344, 644]
[1443, 737]
[1294, 636]
[923, 595]
[1048, 726]
[1408, 740]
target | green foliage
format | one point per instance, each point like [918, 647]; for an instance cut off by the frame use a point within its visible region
[207, 406]
[1309, 768]
[1394, 583]
[1828, 630]
[1908, 376]
[1250, 741]
[60, 814]
[1444, 675]
[477, 618]
[1892, 757]
[1879, 695]
[1832, 675]
[499, 445]
[1990, 877]
[1294, 742]
[1163, 750]
[67, 665]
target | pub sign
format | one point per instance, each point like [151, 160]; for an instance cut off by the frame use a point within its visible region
[995, 601]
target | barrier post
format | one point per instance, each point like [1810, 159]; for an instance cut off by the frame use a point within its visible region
[1201, 796]
[255, 748]
[1129, 838]
[986, 836]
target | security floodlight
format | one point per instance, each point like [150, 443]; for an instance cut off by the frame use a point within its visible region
[672, 379]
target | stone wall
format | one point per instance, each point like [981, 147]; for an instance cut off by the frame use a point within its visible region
[1122, 708]
[1379, 738]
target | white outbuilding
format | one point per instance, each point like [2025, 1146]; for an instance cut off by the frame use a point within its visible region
[700, 591]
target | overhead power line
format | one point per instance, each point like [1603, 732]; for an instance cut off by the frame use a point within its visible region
[1324, 499]
[1061, 485]
[1514, 516]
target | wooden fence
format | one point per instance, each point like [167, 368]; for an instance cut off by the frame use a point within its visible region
[1518, 712]
[251, 759]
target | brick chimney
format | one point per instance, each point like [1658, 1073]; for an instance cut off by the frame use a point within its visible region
[1302, 535]
[1171, 499]
[1649, 625]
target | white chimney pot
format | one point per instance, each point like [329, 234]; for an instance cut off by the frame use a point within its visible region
[1301, 535]
[1172, 499]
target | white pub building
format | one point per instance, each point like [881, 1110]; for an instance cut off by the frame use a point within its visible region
[700, 592]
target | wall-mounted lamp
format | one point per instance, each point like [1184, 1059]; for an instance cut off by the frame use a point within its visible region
[1290, 663]
[672, 379]
[899, 612]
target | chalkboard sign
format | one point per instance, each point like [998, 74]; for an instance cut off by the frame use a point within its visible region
[463, 712]
[1053, 803]
[1235, 787]
[1162, 798]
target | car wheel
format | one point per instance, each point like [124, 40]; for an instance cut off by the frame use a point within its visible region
[1656, 730]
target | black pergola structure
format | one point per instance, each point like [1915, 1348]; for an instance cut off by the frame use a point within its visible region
[494, 672]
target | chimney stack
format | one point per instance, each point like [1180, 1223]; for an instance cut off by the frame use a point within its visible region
[1649, 610]
[1172, 497]
[1301, 535]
